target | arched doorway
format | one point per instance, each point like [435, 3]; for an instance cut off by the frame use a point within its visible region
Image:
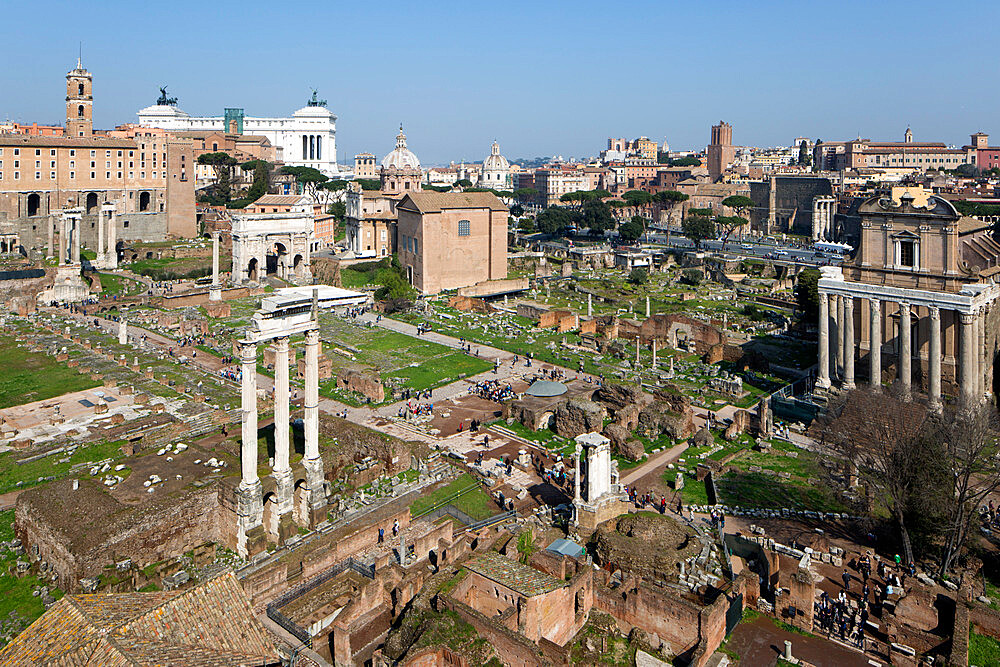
[270, 519]
[301, 503]
[297, 265]
[252, 269]
[34, 203]
[143, 201]
[91, 202]
[280, 260]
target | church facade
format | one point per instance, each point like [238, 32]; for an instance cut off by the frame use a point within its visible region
[915, 305]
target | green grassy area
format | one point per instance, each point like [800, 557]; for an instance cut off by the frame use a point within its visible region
[983, 651]
[352, 279]
[49, 466]
[15, 592]
[398, 359]
[476, 503]
[31, 376]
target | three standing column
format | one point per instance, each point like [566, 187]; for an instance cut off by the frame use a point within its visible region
[875, 344]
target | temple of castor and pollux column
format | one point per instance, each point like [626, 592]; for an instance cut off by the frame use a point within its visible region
[916, 304]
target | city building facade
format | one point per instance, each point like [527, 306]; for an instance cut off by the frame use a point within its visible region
[916, 303]
[308, 138]
[452, 239]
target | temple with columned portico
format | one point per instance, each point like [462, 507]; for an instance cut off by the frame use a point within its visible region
[916, 304]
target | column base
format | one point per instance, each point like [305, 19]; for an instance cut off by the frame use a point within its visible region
[317, 493]
[215, 293]
[250, 532]
[284, 483]
[286, 527]
[822, 383]
[937, 407]
[848, 385]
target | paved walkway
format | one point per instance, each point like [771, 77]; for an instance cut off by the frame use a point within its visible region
[654, 462]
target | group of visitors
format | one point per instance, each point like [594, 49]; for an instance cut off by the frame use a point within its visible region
[492, 390]
[837, 618]
[989, 516]
[415, 409]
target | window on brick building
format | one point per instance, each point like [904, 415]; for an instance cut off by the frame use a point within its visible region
[463, 228]
[907, 253]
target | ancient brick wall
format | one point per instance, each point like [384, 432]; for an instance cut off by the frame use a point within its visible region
[155, 531]
[673, 619]
[366, 384]
[512, 649]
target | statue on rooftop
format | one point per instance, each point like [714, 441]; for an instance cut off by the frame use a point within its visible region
[164, 100]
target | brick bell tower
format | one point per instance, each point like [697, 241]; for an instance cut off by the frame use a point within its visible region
[79, 102]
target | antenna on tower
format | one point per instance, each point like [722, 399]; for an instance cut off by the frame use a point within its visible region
[79, 57]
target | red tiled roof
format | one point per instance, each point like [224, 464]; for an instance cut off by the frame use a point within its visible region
[208, 625]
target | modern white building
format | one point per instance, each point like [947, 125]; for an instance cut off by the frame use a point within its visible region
[306, 139]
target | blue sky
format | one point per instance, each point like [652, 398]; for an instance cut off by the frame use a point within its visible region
[543, 78]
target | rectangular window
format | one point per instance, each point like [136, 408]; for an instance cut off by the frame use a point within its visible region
[17, 176]
[72, 153]
[93, 153]
[52, 164]
[906, 254]
[17, 151]
[38, 163]
[38, 151]
[52, 175]
[463, 228]
[17, 163]
[72, 174]
[38, 175]
[415, 251]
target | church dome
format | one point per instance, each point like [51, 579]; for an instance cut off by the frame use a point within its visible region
[401, 157]
[495, 161]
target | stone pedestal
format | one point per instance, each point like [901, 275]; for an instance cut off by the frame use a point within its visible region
[215, 293]
[317, 493]
[250, 536]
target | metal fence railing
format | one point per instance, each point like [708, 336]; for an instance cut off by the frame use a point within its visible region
[273, 609]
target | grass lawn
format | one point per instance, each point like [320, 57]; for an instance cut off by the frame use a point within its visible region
[756, 489]
[476, 503]
[28, 473]
[15, 592]
[352, 279]
[983, 651]
[440, 369]
[414, 362]
[31, 376]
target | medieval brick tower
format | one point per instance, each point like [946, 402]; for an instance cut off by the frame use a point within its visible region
[79, 102]
[721, 151]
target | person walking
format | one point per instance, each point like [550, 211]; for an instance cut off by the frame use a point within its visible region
[846, 576]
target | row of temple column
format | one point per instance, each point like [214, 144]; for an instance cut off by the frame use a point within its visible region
[70, 223]
[836, 322]
[250, 485]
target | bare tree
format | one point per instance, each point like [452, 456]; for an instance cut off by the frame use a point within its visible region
[970, 440]
[881, 437]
